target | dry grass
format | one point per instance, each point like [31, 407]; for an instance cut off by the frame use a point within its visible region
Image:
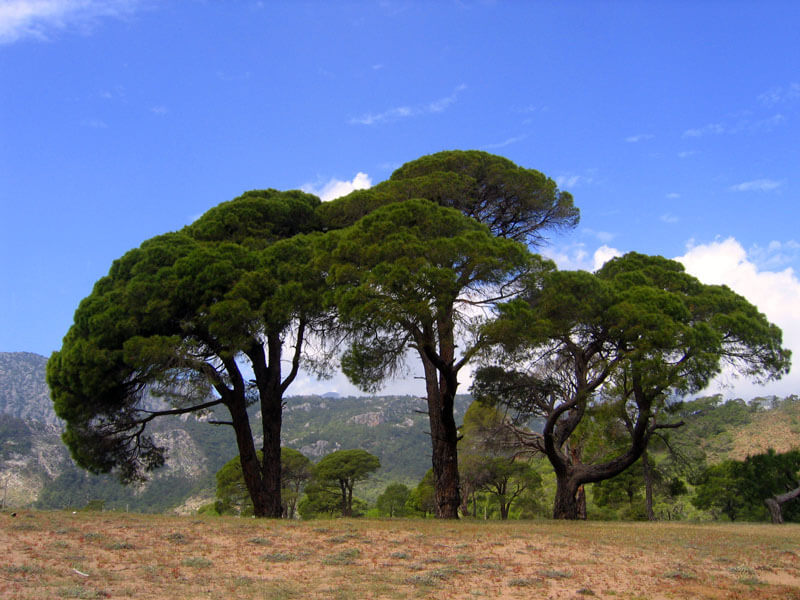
[108, 555]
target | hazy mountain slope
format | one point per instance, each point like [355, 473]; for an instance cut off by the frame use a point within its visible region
[23, 389]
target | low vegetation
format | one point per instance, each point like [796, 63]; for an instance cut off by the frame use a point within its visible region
[119, 555]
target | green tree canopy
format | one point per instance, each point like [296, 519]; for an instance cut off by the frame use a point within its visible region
[342, 470]
[514, 202]
[631, 336]
[176, 326]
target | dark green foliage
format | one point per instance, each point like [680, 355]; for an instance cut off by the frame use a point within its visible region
[738, 489]
[512, 201]
[165, 331]
[719, 490]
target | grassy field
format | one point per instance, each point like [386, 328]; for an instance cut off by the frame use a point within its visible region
[112, 555]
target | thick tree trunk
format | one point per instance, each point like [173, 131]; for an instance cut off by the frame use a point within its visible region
[444, 442]
[271, 411]
[504, 508]
[445, 467]
[775, 511]
[251, 466]
[567, 504]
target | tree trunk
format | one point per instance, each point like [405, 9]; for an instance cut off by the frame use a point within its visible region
[444, 441]
[271, 411]
[775, 504]
[581, 500]
[504, 508]
[775, 511]
[566, 505]
[647, 471]
[251, 466]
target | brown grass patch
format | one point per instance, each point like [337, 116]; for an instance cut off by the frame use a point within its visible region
[109, 555]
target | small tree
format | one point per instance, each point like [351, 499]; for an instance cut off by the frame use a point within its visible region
[423, 497]
[343, 469]
[487, 460]
[296, 470]
[392, 502]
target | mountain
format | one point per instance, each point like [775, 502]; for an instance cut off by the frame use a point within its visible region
[23, 389]
[35, 466]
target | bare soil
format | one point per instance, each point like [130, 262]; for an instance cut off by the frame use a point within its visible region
[113, 555]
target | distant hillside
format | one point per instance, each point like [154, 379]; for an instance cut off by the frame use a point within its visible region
[736, 429]
[23, 389]
[37, 466]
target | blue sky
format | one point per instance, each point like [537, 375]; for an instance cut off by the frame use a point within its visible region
[676, 125]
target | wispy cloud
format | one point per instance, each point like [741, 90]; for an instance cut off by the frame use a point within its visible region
[504, 143]
[710, 129]
[572, 180]
[757, 185]
[603, 236]
[640, 137]
[159, 111]
[336, 188]
[39, 19]
[403, 112]
[776, 255]
[673, 195]
[686, 153]
[744, 125]
[669, 218]
[780, 94]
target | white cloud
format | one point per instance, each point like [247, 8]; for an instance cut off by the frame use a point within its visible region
[757, 185]
[604, 254]
[336, 188]
[775, 293]
[686, 153]
[673, 195]
[571, 257]
[403, 112]
[159, 110]
[39, 18]
[633, 139]
[669, 218]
